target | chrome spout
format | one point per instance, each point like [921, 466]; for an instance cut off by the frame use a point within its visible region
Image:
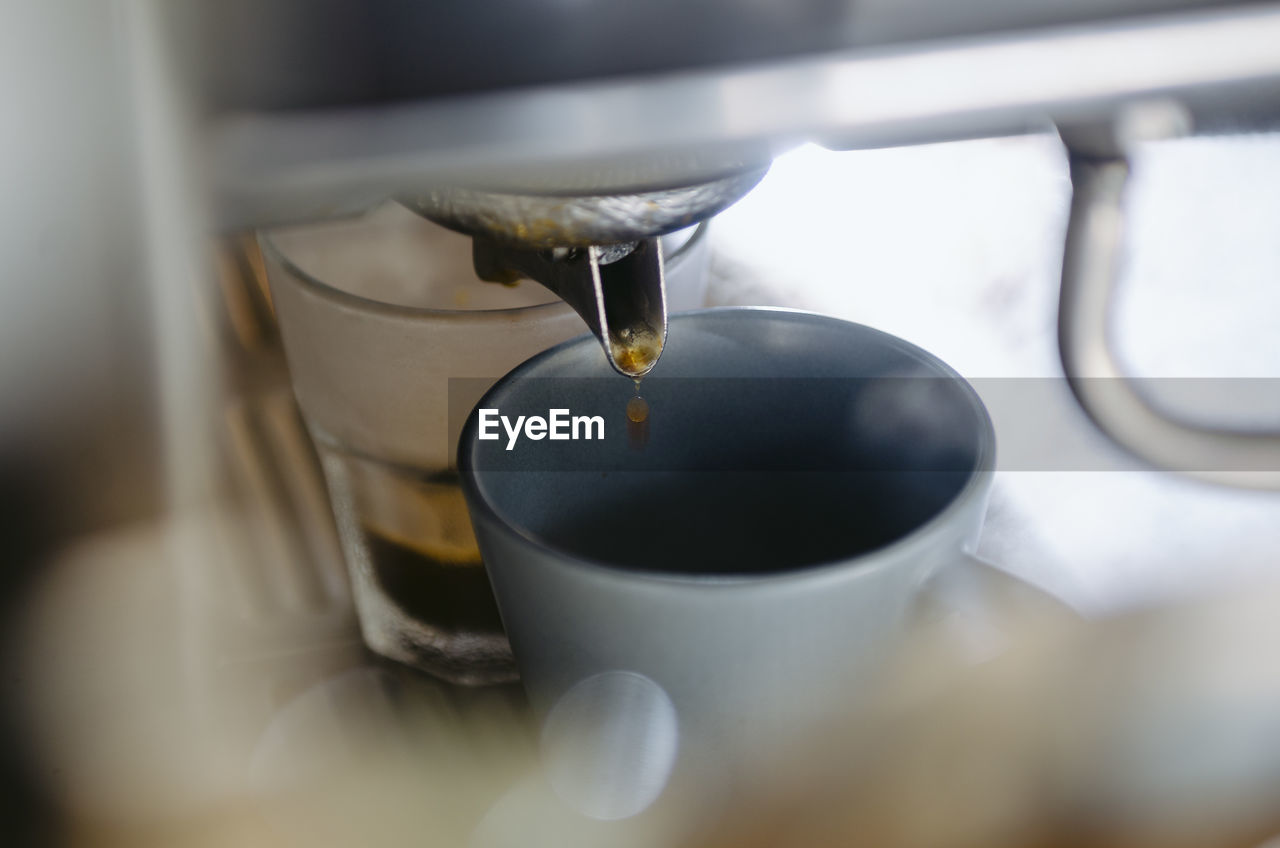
[618, 290]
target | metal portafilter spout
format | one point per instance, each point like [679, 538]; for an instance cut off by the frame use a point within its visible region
[617, 289]
[598, 252]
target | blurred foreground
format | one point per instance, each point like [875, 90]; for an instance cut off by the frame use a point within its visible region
[1021, 726]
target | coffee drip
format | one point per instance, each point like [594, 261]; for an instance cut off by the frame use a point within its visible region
[637, 419]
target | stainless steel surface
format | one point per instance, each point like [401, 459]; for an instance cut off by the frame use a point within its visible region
[622, 298]
[294, 54]
[1092, 262]
[599, 253]
[684, 126]
[542, 222]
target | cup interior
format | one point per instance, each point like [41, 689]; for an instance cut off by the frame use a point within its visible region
[775, 440]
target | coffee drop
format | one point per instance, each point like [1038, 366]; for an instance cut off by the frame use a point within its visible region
[637, 420]
[637, 410]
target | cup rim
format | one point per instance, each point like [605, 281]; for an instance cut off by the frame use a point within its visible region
[974, 489]
[342, 297]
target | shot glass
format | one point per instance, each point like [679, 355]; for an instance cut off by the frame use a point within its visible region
[377, 314]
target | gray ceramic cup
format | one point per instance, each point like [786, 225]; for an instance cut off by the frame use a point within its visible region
[743, 568]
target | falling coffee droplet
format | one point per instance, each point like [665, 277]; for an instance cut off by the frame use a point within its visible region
[637, 410]
[637, 420]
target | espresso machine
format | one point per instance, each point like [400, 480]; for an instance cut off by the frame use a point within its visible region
[618, 139]
[563, 138]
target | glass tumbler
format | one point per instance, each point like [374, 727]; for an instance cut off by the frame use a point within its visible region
[377, 314]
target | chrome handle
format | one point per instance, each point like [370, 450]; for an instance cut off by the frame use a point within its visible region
[1095, 244]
